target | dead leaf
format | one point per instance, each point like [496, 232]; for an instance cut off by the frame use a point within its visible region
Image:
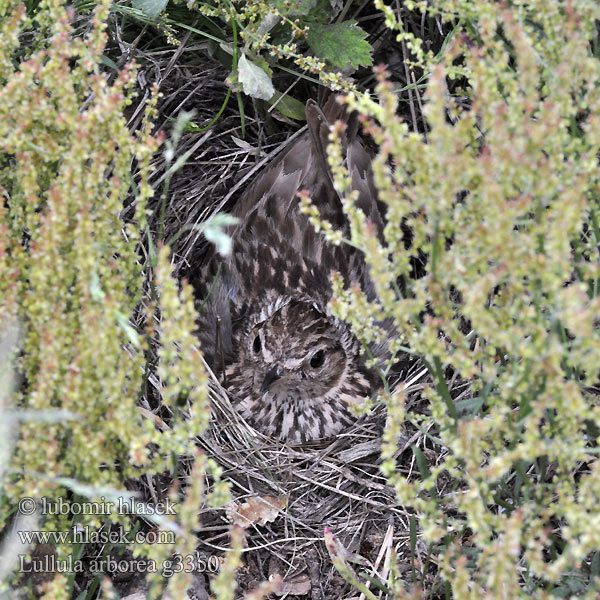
[298, 585]
[257, 510]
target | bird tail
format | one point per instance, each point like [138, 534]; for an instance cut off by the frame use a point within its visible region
[356, 159]
[320, 117]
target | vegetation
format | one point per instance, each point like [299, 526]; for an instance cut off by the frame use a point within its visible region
[70, 280]
[500, 194]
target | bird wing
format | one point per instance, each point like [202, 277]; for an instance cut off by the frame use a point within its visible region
[276, 254]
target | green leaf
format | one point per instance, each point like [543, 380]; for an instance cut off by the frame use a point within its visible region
[341, 44]
[289, 107]
[255, 81]
[339, 558]
[130, 331]
[469, 406]
[421, 462]
[293, 8]
[268, 22]
[96, 287]
[150, 8]
[14, 417]
[214, 231]
[108, 63]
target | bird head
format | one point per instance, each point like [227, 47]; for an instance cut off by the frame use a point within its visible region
[298, 372]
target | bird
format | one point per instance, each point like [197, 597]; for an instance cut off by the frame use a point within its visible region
[291, 368]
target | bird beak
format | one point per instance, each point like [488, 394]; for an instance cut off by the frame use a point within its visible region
[273, 373]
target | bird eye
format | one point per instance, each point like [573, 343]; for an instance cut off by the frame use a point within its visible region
[256, 345]
[317, 360]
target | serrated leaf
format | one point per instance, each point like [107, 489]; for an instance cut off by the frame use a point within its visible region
[150, 8]
[341, 44]
[255, 81]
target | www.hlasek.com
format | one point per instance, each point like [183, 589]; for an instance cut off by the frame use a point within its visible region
[190, 563]
[88, 535]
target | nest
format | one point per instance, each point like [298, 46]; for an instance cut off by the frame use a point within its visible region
[305, 489]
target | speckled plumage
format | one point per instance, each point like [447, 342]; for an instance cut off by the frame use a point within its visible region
[291, 368]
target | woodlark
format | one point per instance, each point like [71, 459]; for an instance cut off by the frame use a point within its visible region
[291, 368]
